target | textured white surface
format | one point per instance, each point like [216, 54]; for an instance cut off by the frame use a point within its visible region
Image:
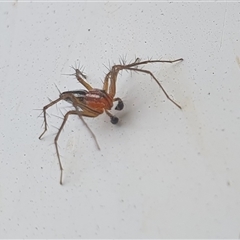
[162, 172]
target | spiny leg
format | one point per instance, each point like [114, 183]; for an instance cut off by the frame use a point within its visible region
[88, 114]
[62, 97]
[138, 62]
[69, 97]
[79, 75]
[72, 112]
[159, 84]
[44, 115]
[81, 78]
[87, 111]
[56, 139]
[112, 75]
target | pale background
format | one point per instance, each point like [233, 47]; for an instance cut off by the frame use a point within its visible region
[161, 172]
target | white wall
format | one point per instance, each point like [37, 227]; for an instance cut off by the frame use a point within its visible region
[161, 172]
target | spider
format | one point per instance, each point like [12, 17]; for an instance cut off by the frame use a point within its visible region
[93, 102]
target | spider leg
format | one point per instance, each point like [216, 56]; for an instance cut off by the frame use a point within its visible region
[106, 81]
[87, 111]
[72, 112]
[112, 78]
[44, 114]
[112, 75]
[138, 62]
[80, 77]
[56, 139]
[159, 84]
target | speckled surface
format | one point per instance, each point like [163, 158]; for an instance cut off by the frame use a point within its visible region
[161, 172]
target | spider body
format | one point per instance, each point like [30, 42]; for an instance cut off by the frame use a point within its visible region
[92, 102]
[95, 101]
[98, 100]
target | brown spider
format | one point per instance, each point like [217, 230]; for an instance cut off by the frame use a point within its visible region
[93, 102]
